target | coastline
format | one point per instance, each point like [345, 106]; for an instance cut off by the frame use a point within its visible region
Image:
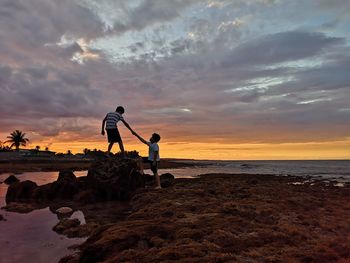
[21, 165]
[225, 218]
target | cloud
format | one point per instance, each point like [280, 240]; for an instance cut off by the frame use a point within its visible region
[191, 71]
[281, 47]
[150, 12]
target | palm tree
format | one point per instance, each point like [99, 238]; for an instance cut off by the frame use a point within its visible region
[37, 147]
[17, 138]
[69, 152]
[47, 149]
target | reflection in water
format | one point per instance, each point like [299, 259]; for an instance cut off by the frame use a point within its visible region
[29, 237]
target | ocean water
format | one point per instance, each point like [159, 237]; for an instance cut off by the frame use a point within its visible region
[335, 170]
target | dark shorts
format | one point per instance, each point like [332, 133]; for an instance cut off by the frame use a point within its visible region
[113, 135]
[154, 168]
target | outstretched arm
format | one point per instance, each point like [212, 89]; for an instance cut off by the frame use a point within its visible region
[127, 125]
[140, 138]
[103, 126]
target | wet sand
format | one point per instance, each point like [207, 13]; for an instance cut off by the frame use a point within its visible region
[228, 218]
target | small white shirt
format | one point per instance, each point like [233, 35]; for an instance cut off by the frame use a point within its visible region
[112, 119]
[153, 147]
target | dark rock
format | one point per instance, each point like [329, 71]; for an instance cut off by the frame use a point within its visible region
[115, 179]
[108, 179]
[64, 189]
[23, 208]
[44, 193]
[59, 190]
[86, 197]
[167, 180]
[65, 224]
[71, 228]
[20, 191]
[64, 210]
[2, 218]
[11, 179]
[66, 175]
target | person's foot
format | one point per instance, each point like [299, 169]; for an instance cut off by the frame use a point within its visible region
[158, 187]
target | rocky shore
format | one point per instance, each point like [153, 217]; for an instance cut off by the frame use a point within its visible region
[57, 164]
[216, 218]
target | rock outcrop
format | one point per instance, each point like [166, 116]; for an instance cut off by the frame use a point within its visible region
[228, 218]
[21, 191]
[71, 228]
[107, 180]
[115, 180]
[11, 179]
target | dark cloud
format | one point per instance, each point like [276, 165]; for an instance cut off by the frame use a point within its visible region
[281, 47]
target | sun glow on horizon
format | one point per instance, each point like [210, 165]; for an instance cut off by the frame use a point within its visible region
[219, 151]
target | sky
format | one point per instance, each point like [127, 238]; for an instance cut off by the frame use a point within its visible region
[217, 79]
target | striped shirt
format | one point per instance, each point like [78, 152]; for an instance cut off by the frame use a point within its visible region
[112, 119]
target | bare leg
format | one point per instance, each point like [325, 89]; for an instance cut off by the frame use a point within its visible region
[110, 147]
[121, 146]
[158, 186]
[140, 165]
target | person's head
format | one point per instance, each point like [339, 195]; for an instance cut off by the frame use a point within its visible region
[120, 109]
[155, 138]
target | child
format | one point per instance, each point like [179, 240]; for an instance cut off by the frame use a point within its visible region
[153, 155]
[112, 119]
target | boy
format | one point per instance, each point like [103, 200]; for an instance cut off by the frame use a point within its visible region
[112, 119]
[153, 155]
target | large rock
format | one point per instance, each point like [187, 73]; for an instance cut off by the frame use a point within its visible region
[115, 179]
[64, 210]
[58, 190]
[71, 227]
[66, 175]
[167, 180]
[87, 197]
[108, 179]
[64, 189]
[21, 191]
[11, 179]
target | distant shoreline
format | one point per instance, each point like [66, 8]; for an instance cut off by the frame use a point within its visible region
[44, 164]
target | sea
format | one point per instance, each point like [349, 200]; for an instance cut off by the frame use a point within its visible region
[327, 170]
[29, 237]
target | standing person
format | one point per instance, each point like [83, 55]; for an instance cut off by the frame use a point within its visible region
[111, 120]
[153, 155]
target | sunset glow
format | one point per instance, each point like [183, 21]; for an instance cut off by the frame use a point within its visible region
[223, 80]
